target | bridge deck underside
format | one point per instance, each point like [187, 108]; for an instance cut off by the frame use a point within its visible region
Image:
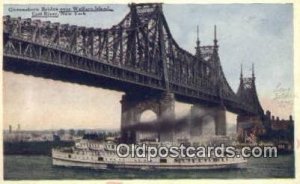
[49, 71]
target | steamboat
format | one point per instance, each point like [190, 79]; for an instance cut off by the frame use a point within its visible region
[97, 154]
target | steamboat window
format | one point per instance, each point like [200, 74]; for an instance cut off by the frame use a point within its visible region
[69, 156]
[163, 160]
[100, 158]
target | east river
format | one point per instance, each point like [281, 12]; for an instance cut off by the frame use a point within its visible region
[18, 167]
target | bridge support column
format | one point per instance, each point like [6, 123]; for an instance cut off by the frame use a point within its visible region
[199, 112]
[220, 119]
[134, 104]
[196, 127]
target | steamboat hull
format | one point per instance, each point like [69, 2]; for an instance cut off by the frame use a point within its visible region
[144, 166]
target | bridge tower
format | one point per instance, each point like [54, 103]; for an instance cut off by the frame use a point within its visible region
[216, 111]
[247, 95]
[162, 103]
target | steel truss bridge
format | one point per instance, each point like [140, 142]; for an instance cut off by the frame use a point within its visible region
[138, 54]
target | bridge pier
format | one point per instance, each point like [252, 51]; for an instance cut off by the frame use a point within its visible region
[199, 112]
[134, 104]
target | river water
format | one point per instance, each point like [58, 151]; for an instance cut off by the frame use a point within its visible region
[18, 167]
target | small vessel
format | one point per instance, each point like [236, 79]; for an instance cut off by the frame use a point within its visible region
[103, 155]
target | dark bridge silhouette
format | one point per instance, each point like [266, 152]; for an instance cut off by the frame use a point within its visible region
[138, 56]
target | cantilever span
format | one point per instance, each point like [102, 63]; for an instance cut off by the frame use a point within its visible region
[136, 55]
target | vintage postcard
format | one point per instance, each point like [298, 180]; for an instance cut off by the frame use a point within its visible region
[148, 90]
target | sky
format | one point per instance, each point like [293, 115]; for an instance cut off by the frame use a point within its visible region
[261, 34]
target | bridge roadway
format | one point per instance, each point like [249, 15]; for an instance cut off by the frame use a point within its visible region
[109, 76]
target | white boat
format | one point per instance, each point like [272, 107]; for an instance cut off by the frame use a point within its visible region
[103, 155]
